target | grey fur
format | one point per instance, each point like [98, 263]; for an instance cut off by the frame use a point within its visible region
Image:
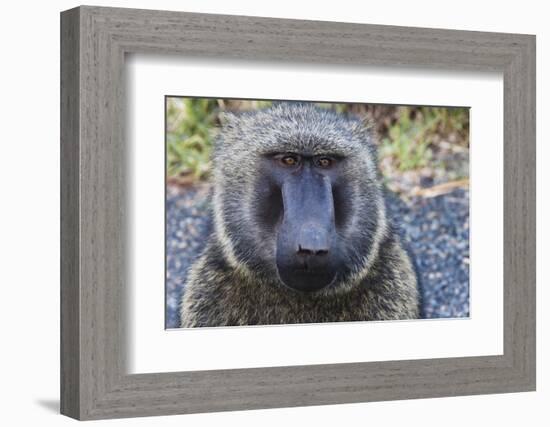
[234, 281]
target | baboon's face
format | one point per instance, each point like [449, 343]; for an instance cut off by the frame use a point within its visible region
[297, 200]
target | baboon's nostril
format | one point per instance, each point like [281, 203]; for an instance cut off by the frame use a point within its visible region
[306, 251]
[313, 242]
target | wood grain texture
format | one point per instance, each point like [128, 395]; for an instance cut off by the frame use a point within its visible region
[70, 257]
[94, 382]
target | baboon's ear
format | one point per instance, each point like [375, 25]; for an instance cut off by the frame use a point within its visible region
[364, 127]
[228, 120]
[229, 125]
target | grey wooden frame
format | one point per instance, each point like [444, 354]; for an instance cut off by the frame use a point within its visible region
[94, 41]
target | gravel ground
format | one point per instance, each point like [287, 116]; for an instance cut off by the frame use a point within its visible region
[187, 224]
[435, 231]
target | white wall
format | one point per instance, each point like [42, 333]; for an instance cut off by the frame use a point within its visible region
[29, 197]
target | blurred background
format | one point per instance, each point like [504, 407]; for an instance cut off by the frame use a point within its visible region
[424, 164]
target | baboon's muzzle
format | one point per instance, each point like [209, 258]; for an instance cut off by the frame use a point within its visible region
[306, 236]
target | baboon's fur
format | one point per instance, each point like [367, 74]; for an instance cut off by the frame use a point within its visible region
[235, 282]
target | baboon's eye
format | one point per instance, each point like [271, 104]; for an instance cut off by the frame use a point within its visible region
[289, 160]
[324, 162]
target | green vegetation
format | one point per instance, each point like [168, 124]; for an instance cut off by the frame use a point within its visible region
[189, 124]
[410, 138]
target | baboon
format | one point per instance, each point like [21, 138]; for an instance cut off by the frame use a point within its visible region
[300, 230]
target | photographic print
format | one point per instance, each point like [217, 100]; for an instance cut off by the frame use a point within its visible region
[269, 227]
[285, 212]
